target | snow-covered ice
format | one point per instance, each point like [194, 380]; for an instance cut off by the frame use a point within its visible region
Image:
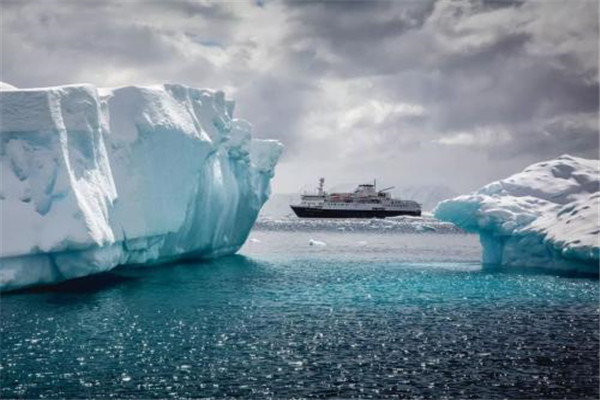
[94, 178]
[402, 224]
[544, 217]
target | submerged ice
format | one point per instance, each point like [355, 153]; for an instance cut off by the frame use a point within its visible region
[94, 178]
[545, 216]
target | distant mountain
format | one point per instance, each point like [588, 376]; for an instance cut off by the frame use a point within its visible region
[429, 196]
[278, 205]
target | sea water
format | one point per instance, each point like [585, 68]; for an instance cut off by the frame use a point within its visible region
[308, 313]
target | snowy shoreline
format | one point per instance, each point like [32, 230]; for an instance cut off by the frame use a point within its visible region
[425, 224]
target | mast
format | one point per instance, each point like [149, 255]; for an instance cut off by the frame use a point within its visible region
[321, 183]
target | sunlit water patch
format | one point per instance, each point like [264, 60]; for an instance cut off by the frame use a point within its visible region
[362, 315]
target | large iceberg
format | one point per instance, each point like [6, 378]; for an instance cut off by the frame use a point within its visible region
[95, 178]
[544, 217]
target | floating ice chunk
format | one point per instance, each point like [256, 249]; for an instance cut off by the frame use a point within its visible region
[545, 216]
[313, 242]
[425, 228]
[93, 178]
[389, 225]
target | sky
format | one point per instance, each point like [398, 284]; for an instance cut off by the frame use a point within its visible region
[453, 93]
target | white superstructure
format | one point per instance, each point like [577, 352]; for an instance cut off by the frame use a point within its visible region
[365, 202]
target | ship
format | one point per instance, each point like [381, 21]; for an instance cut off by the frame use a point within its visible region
[365, 202]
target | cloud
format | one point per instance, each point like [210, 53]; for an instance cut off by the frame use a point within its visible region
[458, 92]
[373, 113]
[481, 137]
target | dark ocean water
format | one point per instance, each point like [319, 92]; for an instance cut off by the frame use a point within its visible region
[365, 316]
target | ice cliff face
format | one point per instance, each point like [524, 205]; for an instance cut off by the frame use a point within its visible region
[94, 178]
[545, 216]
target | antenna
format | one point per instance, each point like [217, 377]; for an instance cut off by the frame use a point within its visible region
[321, 183]
[386, 189]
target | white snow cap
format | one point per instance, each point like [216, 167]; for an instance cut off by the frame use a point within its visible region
[545, 216]
[93, 178]
[313, 242]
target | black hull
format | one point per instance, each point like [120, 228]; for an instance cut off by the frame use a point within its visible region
[308, 212]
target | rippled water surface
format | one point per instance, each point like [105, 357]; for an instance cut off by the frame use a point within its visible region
[364, 315]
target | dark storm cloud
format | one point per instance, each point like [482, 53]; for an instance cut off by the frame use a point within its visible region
[276, 107]
[74, 39]
[379, 82]
[465, 82]
[356, 32]
[516, 90]
[570, 134]
[214, 11]
[357, 23]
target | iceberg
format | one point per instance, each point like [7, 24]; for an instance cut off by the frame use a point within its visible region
[544, 217]
[93, 178]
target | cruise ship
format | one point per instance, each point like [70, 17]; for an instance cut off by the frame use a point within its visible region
[365, 202]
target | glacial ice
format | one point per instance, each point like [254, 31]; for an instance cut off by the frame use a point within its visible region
[544, 217]
[402, 224]
[95, 178]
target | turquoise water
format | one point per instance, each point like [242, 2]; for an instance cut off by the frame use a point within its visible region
[367, 315]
